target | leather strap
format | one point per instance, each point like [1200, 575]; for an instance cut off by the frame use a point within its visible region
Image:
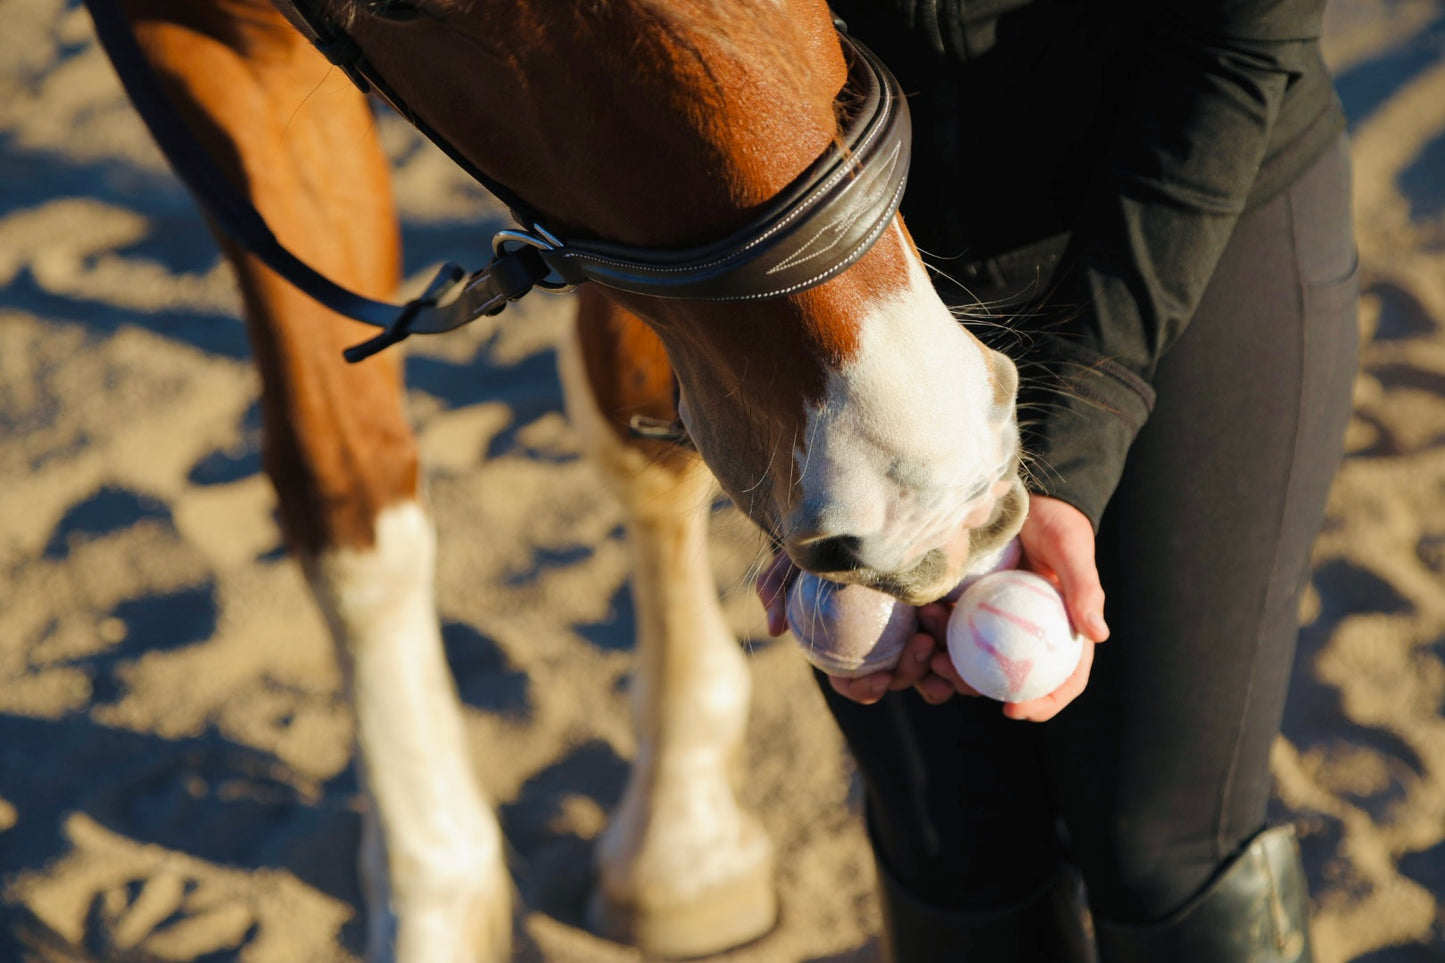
[824, 223]
[813, 231]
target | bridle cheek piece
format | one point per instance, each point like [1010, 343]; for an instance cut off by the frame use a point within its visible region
[820, 225]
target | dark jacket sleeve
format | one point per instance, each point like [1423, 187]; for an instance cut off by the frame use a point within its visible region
[1209, 78]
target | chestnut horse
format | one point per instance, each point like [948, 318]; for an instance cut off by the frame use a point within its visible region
[855, 421]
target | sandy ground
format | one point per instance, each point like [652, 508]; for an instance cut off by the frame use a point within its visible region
[175, 772]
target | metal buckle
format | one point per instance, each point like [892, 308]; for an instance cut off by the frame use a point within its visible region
[540, 238]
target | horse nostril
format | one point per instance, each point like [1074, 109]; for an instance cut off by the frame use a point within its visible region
[833, 553]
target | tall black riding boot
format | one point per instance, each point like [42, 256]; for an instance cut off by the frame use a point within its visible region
[1051, 926]
[1254, 911]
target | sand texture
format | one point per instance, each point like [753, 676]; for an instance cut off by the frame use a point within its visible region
[176, 780]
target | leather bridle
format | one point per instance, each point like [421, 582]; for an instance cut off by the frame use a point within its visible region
[822, 224]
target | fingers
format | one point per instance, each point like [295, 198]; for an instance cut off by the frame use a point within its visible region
[940, 682]
[944, 672]
[935, 690]
[1059, 541]
[913, 667]
[933, 622]
[913, 664]
[924, 666]
[772, 588]
[865, 690]
[933, 619]
[868, 689]
[1083, 595]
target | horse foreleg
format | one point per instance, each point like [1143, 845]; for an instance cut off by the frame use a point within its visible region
[682, 870]
[292, 132]
[431, 851]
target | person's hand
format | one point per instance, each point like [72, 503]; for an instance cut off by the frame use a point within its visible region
[913, 666]
[1058, 543]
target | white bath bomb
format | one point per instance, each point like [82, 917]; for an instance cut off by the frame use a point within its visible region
[848, 630]
[1009, 637]
[1000, 559]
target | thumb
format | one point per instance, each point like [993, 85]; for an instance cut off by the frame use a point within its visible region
[1059, 538]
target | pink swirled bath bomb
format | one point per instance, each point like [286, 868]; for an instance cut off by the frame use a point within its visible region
[1009, 637]
[848, 630]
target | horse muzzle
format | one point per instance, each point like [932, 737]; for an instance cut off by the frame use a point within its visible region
[924, 574]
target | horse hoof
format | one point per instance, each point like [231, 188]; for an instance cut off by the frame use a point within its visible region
[728, 915]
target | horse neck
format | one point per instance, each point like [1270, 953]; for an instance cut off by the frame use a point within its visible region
[637, 121]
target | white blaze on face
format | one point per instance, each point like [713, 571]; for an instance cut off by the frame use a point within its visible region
[904, 447]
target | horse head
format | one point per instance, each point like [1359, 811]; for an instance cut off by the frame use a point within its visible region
[856, 421]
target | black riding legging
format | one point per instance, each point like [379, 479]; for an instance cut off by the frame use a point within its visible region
[1154, 776]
